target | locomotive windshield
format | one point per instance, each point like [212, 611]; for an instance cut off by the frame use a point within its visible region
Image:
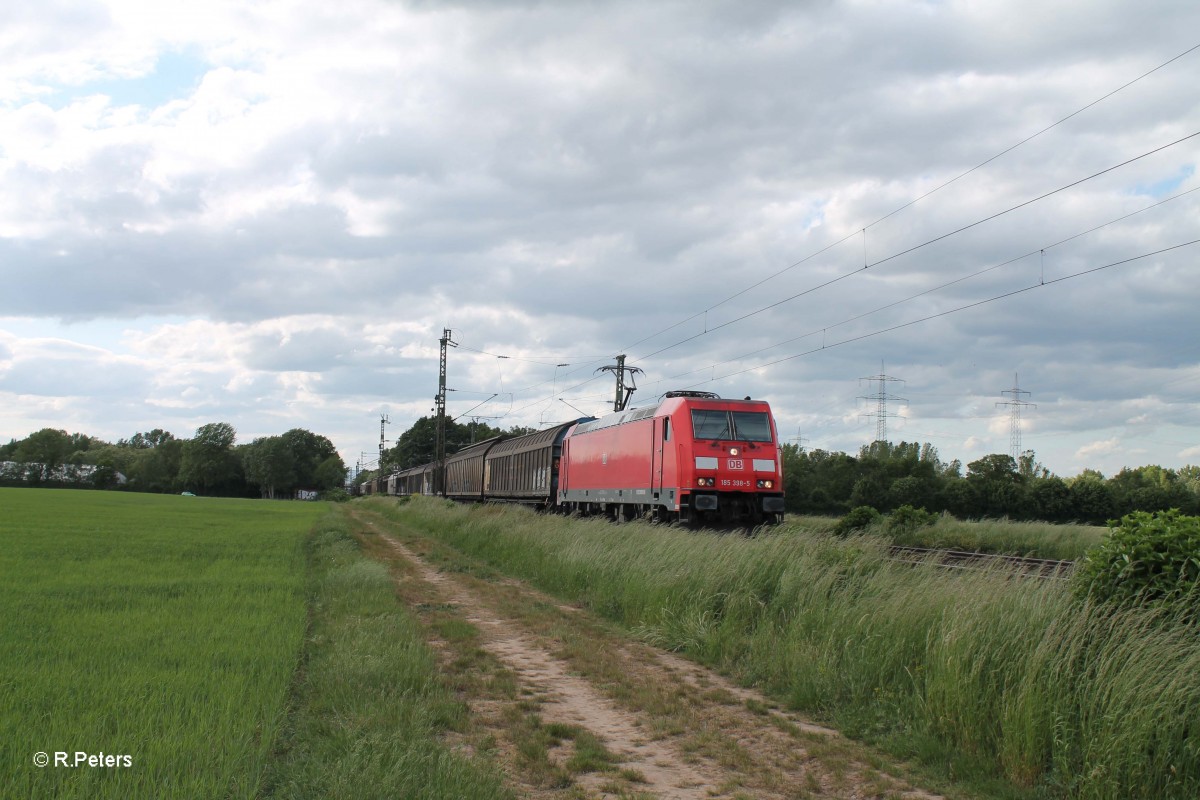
[751, 426]
[709, 424]
[745, 426]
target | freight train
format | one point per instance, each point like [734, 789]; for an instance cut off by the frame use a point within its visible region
[694, 457]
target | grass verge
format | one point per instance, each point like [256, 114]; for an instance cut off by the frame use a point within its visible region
[1010, 537]
[369, 709]
[1008, 684]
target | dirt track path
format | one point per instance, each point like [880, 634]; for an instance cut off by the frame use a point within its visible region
[570, 699]
[677, 730]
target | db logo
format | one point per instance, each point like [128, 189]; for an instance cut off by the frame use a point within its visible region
[736, 463]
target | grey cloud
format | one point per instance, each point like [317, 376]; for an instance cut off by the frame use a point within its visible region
[318, 350]
[74, 375]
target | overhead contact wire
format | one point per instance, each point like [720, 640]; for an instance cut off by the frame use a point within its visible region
[918, 199]
[989, 218]
[1013, 293]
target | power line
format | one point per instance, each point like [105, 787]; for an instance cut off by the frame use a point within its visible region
[829, 346]
[825, 329]
[912, 249]
[1030, 202]
[535, 360]
[825, 345]
[1003, 296]
[549, 362]
[556, 392]
[914, 201]
[1033, 136]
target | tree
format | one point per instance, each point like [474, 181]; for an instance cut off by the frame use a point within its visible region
[910, 491]
[997, 485]
[868, 491]
[418, 444]
[48, 449]
[208, 459]
[414, 447]
[155, 438]
[958, 496]
[270, 464]
[1029, 468]
[156, 469]
[994, 467]
[835, 474]
[1051, 499]
[1150, 488]
[797, 479]
[330, 473]
[1091, 498]
[309, 452]
[1189, 476]
[113, 457]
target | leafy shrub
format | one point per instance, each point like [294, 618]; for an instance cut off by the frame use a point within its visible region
[336, 495]
[858, 518]
[907, 519]
[1146, 557]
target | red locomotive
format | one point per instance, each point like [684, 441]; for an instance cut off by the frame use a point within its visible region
[694, 457]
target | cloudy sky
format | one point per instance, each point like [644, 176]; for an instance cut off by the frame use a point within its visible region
[266, 213]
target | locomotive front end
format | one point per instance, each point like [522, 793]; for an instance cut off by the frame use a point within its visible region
[732, 472]
[694, 458]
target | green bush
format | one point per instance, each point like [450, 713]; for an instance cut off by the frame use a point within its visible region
[1151, 558]
[907, 519]
[335, 495]
[859, 517]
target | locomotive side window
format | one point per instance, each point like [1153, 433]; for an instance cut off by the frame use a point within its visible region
[708, 424]
[666, 429]
[751, 426]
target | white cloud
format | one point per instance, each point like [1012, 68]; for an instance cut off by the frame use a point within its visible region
[1098, 448]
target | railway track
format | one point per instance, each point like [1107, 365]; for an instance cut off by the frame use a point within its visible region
[964, 560]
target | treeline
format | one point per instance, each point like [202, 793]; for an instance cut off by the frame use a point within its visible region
[886, 476]
[211, 462]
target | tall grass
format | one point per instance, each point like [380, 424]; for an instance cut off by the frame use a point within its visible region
[984, 674]
[164, 628]
[1037, 539]
[1011, 537]
[369, 707]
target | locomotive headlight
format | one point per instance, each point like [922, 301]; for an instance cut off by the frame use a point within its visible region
[705, 482]
[766, 484]
[733, 451]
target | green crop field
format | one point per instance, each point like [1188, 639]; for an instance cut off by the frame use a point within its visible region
[158, 634]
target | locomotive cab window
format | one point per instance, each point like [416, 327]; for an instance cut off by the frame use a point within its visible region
[666, 429]
[751, 426]
[710, 424]
[742, 426]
